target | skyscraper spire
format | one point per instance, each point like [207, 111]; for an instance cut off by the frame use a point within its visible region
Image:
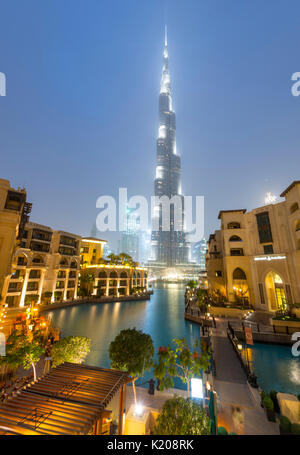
[169, 247]
[166, 36]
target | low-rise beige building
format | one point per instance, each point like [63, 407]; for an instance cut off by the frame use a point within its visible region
[91, 250]
[255, 256]
[46, 265]
[14, 212]
[117, 280]
[39, 264]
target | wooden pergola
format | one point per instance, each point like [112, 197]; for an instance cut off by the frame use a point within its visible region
[70, 399]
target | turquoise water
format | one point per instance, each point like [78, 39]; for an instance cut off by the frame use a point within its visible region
[162, 318]
[276, 368]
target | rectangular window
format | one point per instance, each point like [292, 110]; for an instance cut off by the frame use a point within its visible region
[264, 227]
[268, 249]
[236, 252]
[289, 294]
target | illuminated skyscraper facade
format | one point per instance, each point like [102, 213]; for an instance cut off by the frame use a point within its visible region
[168, 247]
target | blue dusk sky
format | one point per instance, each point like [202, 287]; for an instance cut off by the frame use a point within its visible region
[81, 113]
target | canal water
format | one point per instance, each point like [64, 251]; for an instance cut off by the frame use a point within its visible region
[162, 317]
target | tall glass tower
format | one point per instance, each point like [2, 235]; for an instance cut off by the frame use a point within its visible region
[168, 247]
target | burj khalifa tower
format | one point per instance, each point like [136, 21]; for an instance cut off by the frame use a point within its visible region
[168, 246]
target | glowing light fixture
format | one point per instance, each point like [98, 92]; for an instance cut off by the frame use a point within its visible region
[197, 388]
[270, 198]
[139, 410]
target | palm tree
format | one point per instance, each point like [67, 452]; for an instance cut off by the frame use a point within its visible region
[86, 281]
[126, 259]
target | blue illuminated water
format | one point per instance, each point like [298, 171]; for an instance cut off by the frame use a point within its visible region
[162, 318]
[276, 368]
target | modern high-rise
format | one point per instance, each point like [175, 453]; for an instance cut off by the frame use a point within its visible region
[168, 246]
[198, 253]
[129, 242]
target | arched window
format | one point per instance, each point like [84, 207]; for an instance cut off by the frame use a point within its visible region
[235, 238]
[138, 275]
[297, 225]
[73, 265]
[124, 275]
[233, 225]
[113, 275]
[102, 275]
[63, 262]
[239, 274]
[294, 207]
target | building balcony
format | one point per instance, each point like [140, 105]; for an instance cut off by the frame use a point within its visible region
[14, 291]
[215, 255]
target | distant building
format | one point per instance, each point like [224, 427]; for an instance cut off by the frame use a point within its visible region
[198, 253]
[255, 256]
[144, 246]
[106, 250]
[129, 242]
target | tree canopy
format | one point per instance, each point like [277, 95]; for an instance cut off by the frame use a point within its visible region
[132, 351]
[180, 416]
[181, 362]
[23, 349]
[70, 349]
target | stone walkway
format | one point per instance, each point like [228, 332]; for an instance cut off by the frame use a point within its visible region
[238, 410]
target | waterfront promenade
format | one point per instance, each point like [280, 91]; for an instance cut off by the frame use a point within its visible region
[92, 299]
[239, 407]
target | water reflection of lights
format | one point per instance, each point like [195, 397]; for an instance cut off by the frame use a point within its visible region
[294, 373]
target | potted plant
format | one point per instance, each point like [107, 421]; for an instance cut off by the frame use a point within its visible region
[284, 425]
[269, 407]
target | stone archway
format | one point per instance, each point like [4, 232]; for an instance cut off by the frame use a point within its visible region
[276, 296]
[240, 286]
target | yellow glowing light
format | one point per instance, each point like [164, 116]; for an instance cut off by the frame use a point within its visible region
[139, 409]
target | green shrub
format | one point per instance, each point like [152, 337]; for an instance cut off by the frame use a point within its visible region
[295, 428]
[262, 396]
[273, 395]
[180, 416]
[268, 403]
[285, 424]
[222, 431]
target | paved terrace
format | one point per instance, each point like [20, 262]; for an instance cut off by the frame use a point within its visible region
[234, 395]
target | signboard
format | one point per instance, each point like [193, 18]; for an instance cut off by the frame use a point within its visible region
[248, 335]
